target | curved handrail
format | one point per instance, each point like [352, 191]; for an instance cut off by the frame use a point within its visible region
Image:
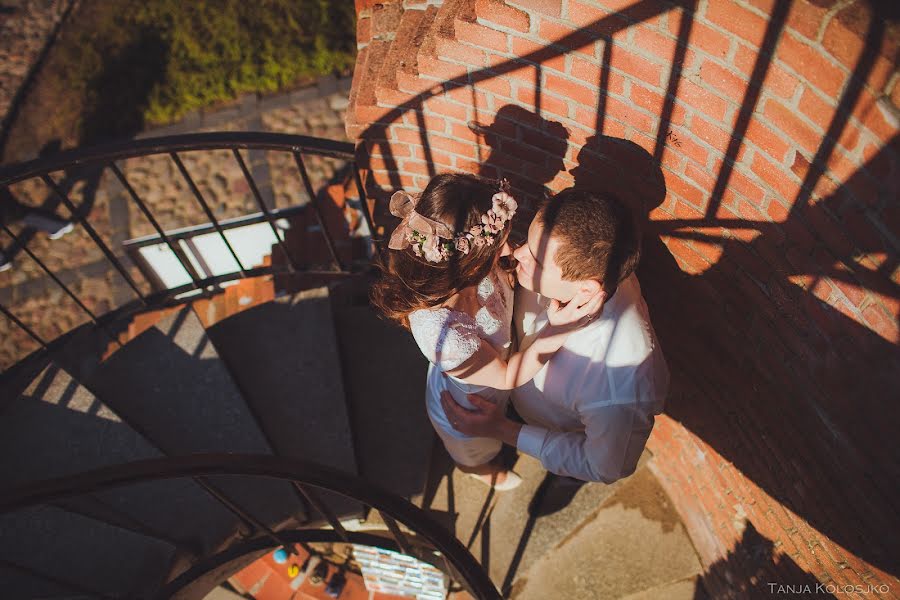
[77, 157]
[298, 536]
[299, 471]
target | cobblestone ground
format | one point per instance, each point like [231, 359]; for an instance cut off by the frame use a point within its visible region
[41, 304]
[25, 27]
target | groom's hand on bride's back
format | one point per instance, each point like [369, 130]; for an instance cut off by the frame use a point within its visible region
[487, 420]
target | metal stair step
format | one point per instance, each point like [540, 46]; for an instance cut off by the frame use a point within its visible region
[386, 391]
[170, 385]
[56, 427]
[284, 356]
[92, 555]
[37, 587]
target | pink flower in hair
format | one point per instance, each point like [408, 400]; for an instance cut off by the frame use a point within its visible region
[504, 205]
[462, 244]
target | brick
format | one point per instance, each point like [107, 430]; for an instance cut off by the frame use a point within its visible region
[577, 92]
[742, 184]
[802, 134]
[415, 167]
[775, 177]
[364, 31]
[524, 72]
[462, 53]
[527, 95]
[647, 99]
[652, 41]
[432, 123]
[688, 192]
[497, 86]
[591, 74]
[481, 36]
[880, 122]
[712, 134]
[556, 63]
[635, 66]
[877, 319]
[738, 20]
[724, 80]
[700, 176]
[462, 132]
[767, 140]
[412, 84]
[811, 65]
[551, 9]
[498, 13]
[815, 109]
[439, 69]
[841, 41]
[806, 18]
[524, 47]
[566, 36]
[453, 146]
[708, 39]
[467, 95]
[440, 107]
[627, 114]
[700, 99]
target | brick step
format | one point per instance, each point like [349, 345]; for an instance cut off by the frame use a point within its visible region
[402, 56]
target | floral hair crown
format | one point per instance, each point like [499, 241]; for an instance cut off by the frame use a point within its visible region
[435, 241]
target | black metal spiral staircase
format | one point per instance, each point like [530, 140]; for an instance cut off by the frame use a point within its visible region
[157, 470]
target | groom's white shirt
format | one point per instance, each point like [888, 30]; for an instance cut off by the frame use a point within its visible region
[590, 409]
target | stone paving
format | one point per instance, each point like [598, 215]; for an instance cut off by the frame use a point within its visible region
[25, 28]
[34, 298]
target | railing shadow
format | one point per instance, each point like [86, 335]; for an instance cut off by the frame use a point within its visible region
[791, 391]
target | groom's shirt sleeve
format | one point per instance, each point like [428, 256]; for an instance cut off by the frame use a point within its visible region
[617, 407]
[607, 450]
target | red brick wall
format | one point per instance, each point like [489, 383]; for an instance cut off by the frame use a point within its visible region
[760, 138]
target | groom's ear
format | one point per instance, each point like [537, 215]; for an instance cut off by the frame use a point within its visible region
[591, 286]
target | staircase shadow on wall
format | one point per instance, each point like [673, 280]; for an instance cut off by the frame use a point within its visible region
[763, 370]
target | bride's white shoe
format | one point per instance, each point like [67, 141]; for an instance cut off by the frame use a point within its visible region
[511, 481]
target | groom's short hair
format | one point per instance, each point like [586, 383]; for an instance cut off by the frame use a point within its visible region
[598, 236]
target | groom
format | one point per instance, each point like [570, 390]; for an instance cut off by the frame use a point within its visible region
[589, 411]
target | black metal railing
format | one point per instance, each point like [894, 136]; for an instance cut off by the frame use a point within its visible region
[429, 542]
[105, 157]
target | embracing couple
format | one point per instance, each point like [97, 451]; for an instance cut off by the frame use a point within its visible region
[557, 326]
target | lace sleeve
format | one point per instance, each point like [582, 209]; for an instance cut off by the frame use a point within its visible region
[446, 338]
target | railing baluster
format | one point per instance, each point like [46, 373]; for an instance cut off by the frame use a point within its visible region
[50, 273]
[316, 502]
[370, 222]
[94, 236]
[206, 209]
[23, 327]
[398, 536]
[243, 515]
[137, 200]
[298, 159]
[262, 206]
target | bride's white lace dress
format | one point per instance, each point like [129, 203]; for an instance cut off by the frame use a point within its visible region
[448, 338]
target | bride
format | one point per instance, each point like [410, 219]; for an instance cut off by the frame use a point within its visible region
[442, 279]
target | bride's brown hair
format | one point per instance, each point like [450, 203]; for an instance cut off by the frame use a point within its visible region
[409, 282]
